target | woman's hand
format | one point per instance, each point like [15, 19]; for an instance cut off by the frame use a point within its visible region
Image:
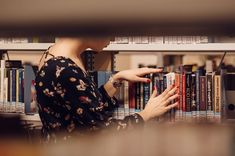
[158, 105]
[134, 75]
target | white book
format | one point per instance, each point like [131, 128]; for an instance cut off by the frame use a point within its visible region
[193, 39]
[137, 39]
[20, 40]
[174, 39]
[188, 39]
[122, 40]
[184, 39]
[2, 70]
[198, 39]
[6, 103]
[131, 40]
[179, 40]
[2, 41]
[166, 39]
[204, 39]
[126, 99]
[144, 40]
[156, 40]
[170, 39]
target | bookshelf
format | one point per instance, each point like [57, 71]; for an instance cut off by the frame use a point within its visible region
[205, 47]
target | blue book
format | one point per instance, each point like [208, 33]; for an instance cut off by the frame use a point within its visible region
[29, 90]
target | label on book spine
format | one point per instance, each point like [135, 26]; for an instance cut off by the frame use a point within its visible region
[193, 98]
[198, 74]
[202, 106]
[217, 98]
[209, 97]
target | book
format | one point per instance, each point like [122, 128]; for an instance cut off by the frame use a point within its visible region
[193, 98]
[209, 97]
[202, 106]
[2, 71]
[29, 90]
[217, 98]
[132, 94]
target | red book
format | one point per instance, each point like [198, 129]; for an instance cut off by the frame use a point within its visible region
[177, 84]
[132, 97]
[183, 93]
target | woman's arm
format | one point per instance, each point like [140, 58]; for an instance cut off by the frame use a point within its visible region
[132, 75]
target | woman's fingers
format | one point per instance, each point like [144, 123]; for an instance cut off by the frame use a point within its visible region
[166, 91]
[154, 93]
[145, 70]
[169, 93]
[171, 98]
[172, 105]
[141, 79]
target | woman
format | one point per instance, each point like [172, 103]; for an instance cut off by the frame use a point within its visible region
[69, 101]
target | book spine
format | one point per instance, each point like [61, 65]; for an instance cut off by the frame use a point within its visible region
[137, 97]
[193, 98]
[2, 69]
[132, 98]
[164, 117]
[188, 91]
[157, 83]
[178, 109]
[126, 99]
[6, 95]
[22, 90]
[17, 91]
[173, 110]
[187, 97]
[20, 101]
[9, 90]
[29, 90]
[183, 94]
[198, 74]
[151, 84]
[217, 98]
[209, 97]
[141, 96]
[146, 92]
[100, 78]
[120, 111]
[161, 82]
[13, 104]
[202, 105]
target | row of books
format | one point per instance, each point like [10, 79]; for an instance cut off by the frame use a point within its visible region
[27, 40]
[163, 40]
[199, 95]
[124, 40]
[17, 92]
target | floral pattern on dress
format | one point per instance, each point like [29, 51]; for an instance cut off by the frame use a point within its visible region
[69, 101]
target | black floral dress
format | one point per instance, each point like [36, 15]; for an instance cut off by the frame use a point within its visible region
[70, 103]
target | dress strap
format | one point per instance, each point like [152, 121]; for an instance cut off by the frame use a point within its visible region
[46, 53]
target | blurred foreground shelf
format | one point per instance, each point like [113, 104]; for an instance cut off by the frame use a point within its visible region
[112, 17]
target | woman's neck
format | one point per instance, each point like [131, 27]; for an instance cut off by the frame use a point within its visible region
[68, 47]
[71, 48]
